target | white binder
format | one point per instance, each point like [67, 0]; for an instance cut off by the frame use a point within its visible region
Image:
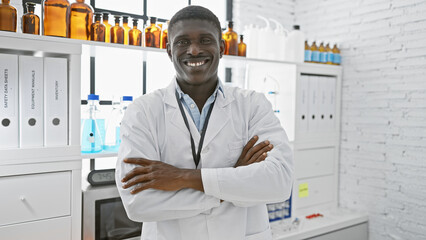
[331, 102]
[322, 103]
[313, 104]
[55, 102]
[302, 103]
[30, 101]
[9, 124]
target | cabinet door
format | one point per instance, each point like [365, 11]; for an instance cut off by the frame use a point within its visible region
[356, 232]
[314, 191]
[52, 229]
[314, 162]
[35, 197]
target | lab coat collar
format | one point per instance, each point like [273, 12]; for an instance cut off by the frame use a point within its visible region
[220, 116]
[219, 87]
[170, 97]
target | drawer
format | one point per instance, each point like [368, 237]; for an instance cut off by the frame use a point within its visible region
[314, 191]
[35, 197]
[51, 229]
[314, 162]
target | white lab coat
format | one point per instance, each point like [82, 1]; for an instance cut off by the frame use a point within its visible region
[153, 128]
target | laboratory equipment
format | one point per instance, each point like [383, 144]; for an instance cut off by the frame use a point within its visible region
[112, 131]
[117, 32]
[242, 47]
[126, 29]
[135, 35]
[152, 34]
[8, 16]
[97, 30]
[91, 135]
[231, 40]
[105, 17]
[81, 18]
[30, 21]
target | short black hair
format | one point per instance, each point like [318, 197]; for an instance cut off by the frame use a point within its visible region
[194, 12]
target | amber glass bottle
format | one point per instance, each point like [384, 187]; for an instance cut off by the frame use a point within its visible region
[135, 35]
[329, 54]
[242, 47]
[105, 17]
[308, 52]
[336, 55]
[117, 32]
[164, 38]
[81, 18]
[315, 53]
[8, 16]
[30, 21]
[56, 15]
[152, 34]
[322, 54]
[126, 29]
[97, 30]
[231, 40]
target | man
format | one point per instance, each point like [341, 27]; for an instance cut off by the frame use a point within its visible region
[183, 169]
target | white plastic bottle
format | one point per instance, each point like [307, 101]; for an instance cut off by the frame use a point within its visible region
[266, 40]
[280, 40]
[295, 45]
[251, 35]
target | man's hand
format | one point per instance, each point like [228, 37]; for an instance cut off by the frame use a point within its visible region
[254, 154]
[160, 176]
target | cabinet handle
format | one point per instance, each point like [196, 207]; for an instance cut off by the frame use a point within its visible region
[22, 198]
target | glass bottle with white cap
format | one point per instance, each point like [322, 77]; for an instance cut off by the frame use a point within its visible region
[91, 127]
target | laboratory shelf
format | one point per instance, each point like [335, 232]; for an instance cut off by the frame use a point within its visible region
[148, 49]
[103, 154]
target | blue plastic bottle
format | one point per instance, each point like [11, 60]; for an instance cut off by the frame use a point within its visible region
[91, 135]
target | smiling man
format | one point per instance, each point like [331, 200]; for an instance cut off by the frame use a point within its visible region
[188, 166]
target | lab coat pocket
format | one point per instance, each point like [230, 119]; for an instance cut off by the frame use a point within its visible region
[234, 151]
[265, 235]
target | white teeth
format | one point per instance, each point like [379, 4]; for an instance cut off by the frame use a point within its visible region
[197, 64]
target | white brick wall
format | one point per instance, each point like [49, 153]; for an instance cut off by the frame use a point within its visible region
[383, 145]
[383, 151]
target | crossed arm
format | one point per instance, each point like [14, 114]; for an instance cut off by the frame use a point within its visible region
[162, 176]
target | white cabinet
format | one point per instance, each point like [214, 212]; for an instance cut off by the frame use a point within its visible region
[41, 185]
[24, 201]
[314, 162]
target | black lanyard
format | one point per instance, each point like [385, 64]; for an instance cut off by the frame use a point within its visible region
[195, 156]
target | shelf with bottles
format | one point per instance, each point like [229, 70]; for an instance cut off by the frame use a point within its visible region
[144, 50]
[324, 53]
